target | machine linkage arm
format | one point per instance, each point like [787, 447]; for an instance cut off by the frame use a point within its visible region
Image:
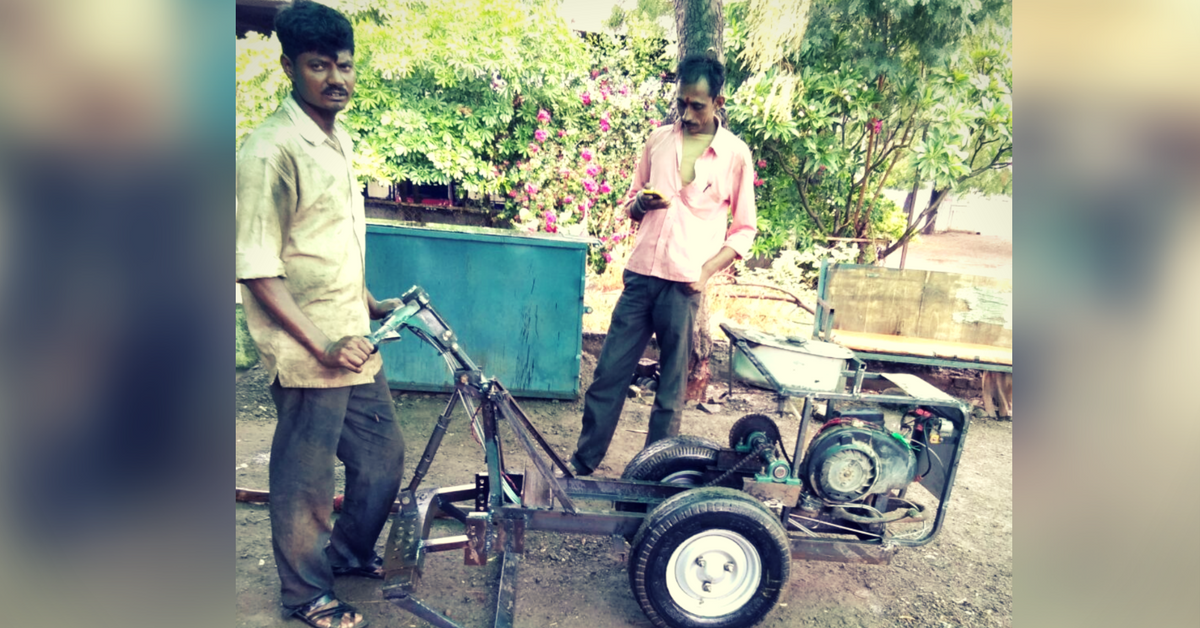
[418, 316]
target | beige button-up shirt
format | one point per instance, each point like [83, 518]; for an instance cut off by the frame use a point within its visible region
[300, 217]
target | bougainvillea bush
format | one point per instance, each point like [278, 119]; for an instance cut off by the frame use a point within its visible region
[579, 164]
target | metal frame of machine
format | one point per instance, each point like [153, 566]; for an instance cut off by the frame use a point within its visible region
[503, 505]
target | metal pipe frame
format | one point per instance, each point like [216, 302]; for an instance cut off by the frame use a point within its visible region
[495, 523]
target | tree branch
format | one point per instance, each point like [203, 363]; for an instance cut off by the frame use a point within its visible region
[879, 189]
[799, 186]
[915, 227]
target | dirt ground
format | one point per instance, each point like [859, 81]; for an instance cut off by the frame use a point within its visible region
[963, 578]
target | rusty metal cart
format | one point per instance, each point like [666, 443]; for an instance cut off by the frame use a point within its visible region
[712, 527]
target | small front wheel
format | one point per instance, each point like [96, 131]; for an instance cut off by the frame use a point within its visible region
[709, 557]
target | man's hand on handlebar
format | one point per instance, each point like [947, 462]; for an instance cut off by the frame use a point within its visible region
[351, 352]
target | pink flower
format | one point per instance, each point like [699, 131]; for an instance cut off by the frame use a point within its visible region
[540, 135]
[587, 154]
[562, 132]
[568, 199]
[595, 73]
[758, 182]
[607, 257]
[593, 170]
[876, 125]
[624, 90]
[762, 163]
[604, 125]
[583, 208]
[605, 188]
[564, 173]
[550, 218]
[589, 184]
[586, 98]
[543, 116]
[531, 189]
[533, 148]
[655, 123]
[512, 193]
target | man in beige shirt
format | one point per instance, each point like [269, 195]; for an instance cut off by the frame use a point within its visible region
[300, 248]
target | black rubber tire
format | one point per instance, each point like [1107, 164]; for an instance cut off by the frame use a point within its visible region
[682, 500]
[694, 519]
[684, 457]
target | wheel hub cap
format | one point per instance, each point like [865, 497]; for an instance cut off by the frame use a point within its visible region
[713, 573]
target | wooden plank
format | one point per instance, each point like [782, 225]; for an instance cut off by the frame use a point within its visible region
[954, 364]
[875, 300]
[924, 347]
[948, 307]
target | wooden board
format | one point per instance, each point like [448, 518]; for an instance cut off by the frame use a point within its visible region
[921, 347]
[945, 307]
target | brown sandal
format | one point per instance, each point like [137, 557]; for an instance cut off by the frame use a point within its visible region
[313, 612]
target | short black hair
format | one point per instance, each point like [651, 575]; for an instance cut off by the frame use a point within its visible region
[695, 67]
[306, 26]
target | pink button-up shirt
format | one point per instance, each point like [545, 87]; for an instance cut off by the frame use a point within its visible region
[716, 209]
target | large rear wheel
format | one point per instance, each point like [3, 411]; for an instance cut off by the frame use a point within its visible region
[679, 460]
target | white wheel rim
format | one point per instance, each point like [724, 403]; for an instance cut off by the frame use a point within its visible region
[713, 573]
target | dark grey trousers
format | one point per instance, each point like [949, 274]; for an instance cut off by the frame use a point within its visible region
[357, 424]
[648, 305]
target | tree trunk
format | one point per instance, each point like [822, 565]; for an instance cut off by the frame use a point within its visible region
[935, 195]
[700, 25]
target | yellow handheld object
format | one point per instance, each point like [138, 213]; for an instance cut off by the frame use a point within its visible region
[653, 193]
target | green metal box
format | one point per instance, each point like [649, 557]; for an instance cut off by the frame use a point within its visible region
[514, 299]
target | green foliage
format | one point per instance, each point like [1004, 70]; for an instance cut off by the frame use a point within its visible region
[837, 115]
[582, 162]
[260, 82]
[497, 95]
[449, 90]
[796, 271]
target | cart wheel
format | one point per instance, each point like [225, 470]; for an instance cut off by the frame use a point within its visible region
[710, 557]
[680, 460]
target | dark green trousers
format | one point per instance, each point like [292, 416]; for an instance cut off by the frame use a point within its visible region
[648, 305]
[357, 425]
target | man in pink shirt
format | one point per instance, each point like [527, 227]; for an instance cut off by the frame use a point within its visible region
[693, 193]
